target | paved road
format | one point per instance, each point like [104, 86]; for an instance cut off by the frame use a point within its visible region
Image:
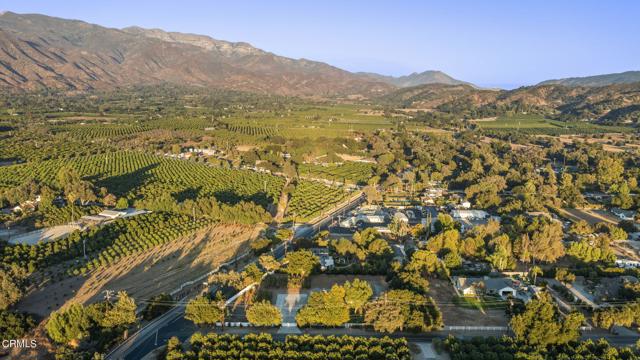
[173, 323]
[183, 329]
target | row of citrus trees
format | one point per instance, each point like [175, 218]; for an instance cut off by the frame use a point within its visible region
[88, 132]
[104, 245]
[38, 147]
[137, 175]
[262, 346]
[350, 172]
[252, 130]
[140, 176]
[310, 199]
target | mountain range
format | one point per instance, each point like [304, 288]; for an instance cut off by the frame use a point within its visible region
[612, 104]
[43, 52]
[38, 51]
[626, 77]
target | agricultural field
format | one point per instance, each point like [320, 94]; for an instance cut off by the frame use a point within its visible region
[309, 122]
[348, 172]
[160, 269]
[310, 199]
[38, 147]
[538, 124]
[252, 130]
[87, 132]
[104, 245]
[137, 176]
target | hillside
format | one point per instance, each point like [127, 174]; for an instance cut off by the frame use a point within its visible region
[626, 77]
[39, 51]
[615, 104]
[416, 79]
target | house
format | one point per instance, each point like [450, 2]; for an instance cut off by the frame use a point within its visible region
[627, 264]
[475, 286]
[458, 214]
[326, 260]
[203, 151]
[624, 214]
[469, 219]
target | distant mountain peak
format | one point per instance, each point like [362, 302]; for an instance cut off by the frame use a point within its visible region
[415, 79]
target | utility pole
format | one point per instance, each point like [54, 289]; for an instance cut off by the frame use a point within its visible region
[84, 248]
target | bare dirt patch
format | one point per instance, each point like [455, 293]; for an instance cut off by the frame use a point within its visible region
[144, 275]
[347, 157]
[245, 148]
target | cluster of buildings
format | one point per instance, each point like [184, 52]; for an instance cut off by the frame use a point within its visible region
[193, 151]
[502, 287]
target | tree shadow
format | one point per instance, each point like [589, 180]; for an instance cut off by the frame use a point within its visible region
[126, 183]
[231, 197]
[191, 193]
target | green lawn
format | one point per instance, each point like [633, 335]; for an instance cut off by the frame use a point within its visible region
[486, 302]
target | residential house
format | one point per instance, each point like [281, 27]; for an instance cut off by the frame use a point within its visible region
[477, 286]
[326, 260]
[469, 219]
[624, 214]
[627, 264]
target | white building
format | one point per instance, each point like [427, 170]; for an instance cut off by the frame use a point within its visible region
[459, 214]
[474, 286]
[627, 264]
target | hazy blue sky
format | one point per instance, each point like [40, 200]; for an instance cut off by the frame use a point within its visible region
[491, 43]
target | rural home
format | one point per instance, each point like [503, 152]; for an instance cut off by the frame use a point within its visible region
[474, 286]
[469, 219]
[326, 260]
